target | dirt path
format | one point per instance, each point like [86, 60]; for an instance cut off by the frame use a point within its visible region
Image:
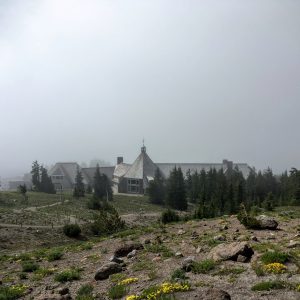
[35, 208]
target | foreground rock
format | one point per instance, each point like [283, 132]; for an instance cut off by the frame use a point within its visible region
[266, 222]
[108, 269]
[124, 250]
[231, 251]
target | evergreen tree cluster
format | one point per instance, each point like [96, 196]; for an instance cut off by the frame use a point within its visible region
[171, 192]
[216, 193]
[41, 181]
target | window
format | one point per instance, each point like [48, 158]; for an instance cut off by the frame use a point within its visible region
[133, 186]
[57, 177]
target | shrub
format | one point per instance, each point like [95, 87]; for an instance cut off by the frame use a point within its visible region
[169, 216]
[68, 275]
[247, 220]
[85, 292]
[29, 266]
[107, 222]
[12, 292]
[203, 266]
[22, 276]
[178, 274]
[268, 285]
[55, 254]
[274, 257]
[117, 291]
[72, 230]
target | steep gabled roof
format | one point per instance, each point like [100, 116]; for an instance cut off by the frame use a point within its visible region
[166, 168]
[89, 173]
[142, 167]
[68, 169]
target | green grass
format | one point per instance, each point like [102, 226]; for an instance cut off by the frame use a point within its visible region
[134, 204]
[12, 292]
[178, 274]
[203, 267]
[274, 257]
[159, 248]
[231, 271]
[268, 286]
[264, 247]
[54, 254]
[117, 291]
[67, 275]
[85, 292]
[29, 266]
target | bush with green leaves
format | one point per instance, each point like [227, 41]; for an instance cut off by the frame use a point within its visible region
[54, 254]
[85, 292]
[107, 222]
[169, 216]
[12, 292]
[68, 275]
[274, 257]
[268, 286]
[203, 267]
[178, 274]
[29, 266]
[117, 291]
[247, 220]
[72, 230]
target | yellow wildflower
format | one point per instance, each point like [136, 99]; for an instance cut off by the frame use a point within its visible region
[276, 268]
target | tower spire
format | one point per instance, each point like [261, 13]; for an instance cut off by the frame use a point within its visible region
[143, 147]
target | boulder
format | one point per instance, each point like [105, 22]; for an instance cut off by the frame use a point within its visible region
[187, 263]
[219, 238]
[266, 222]
[132, 254]
[64, 291]
[231, 251]
[123, 250]
[107, 269]
[116, 260]
[293, 244]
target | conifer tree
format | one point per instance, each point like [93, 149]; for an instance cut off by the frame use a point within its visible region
[102, 186]
[46, 185]
[35, 173]
[157, 189]
[79, 189]
[176, 195]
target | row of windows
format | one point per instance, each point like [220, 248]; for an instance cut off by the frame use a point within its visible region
[57, 177]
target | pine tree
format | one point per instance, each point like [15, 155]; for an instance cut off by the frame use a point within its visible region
[176, 195]
[156, 189]
[79, 189]
[46, 185]
[102, 186]
[35, 173]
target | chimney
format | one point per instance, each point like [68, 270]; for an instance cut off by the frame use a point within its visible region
[119, 160]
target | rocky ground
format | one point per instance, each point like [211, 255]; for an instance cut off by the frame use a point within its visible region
[219, 258]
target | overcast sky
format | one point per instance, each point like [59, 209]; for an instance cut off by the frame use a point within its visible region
[199, 80]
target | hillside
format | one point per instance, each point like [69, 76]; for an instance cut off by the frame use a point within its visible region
[181, 253]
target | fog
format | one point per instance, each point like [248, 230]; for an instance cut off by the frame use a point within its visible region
[199, 80]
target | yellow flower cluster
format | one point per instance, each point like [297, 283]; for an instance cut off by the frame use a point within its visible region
[133, 297]
[276, 268]
[20, 289]
[165, 288]
[128, 281]
[297, 289]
